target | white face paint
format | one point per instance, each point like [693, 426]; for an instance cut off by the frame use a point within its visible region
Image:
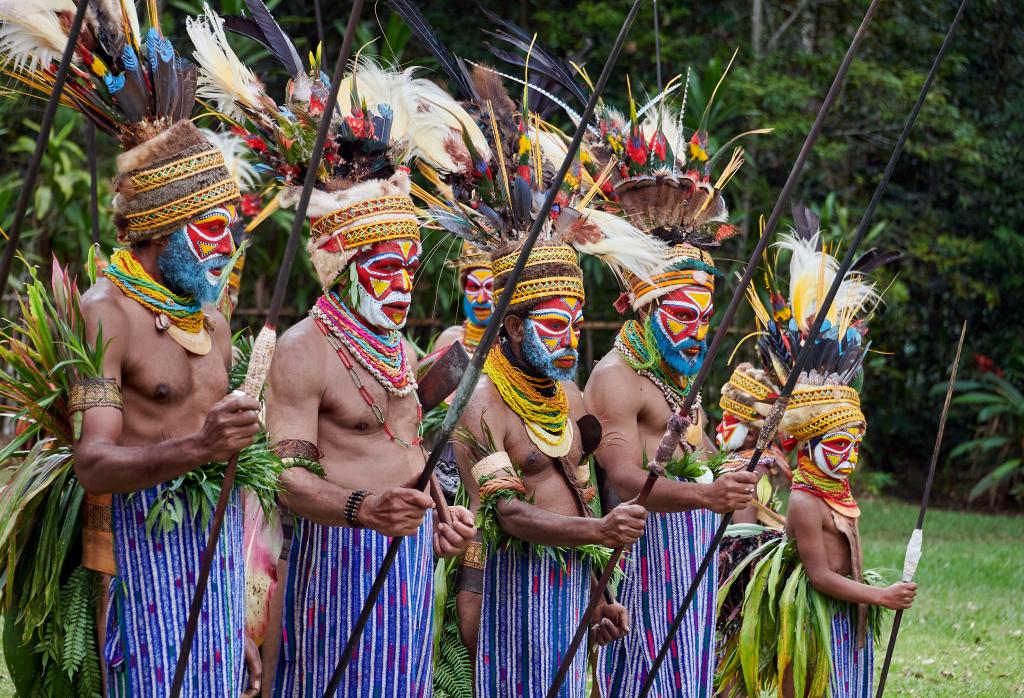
[836, 454]
[372, 309]
[385, 277]
[730, 434]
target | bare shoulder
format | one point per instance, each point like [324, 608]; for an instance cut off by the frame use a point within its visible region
[298, 358]
[575, 396]
[103, 306]
[484, 405]
[221, 330]
[449, 337]
[612, 382]
[805, 511]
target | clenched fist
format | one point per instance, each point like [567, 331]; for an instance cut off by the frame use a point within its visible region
[731, 492]
[899, 596]
[397, 511]
[229, 427]
[453, 539]
[622, 525]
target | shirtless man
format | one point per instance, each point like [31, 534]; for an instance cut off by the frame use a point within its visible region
[342, 398]
[168, 351]
[534, 491]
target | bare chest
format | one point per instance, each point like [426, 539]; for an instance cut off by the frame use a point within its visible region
[654, 416]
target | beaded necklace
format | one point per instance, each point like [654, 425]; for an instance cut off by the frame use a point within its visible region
[127, 273]
[643, 357]
[541, 403]
[471, 335]
[365, 394]
[836, 493]
[383, 356]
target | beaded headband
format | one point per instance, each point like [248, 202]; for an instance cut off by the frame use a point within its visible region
[186, 208]
[365, 223]
[814, 411]
[470, 257]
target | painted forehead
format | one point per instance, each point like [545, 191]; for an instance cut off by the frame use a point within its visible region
[569, 307]
[479, 276]
[407, 251]
[692, 295]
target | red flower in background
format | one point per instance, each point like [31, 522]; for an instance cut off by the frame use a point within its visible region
[985, 364]
[251, 205]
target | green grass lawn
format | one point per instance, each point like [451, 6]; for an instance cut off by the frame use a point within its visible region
[965, 634]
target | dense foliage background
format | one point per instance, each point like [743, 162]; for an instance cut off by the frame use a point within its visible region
[952, 208]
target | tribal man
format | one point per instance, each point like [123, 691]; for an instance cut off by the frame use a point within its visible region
[160, 411]
[477, 282]
[640, 384]
[824, 417]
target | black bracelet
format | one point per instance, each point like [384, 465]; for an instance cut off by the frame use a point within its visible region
[355, 500]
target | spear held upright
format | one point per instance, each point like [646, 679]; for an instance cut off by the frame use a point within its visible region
[913, 555]
[472, 374]
[677, 423]
[771, 422]
[263, 348]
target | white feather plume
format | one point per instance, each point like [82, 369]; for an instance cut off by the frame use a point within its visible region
[661, 117]
[811, 273]
[31, 35]
[234, 150]
[222, 76]
[622, 246]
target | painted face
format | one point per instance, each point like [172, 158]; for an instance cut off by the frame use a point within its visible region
[836, 453]
[731, 433]
[680, 324]
[210, 241]
[479, 292]
[552, 337]
[385, 274]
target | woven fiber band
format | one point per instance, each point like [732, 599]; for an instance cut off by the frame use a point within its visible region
[670, 279]
[551, 287]
[474, 556]
[147, 180]
[826, 422]
[402, 207]
[824, 395]
[737, 408]
[492, 465]
[548, 254]
[95, 392]
[186, 208]
[743, 382]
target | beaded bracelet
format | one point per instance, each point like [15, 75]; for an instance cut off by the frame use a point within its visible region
[355, 500]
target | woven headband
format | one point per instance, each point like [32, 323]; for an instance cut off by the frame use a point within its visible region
[141, 224]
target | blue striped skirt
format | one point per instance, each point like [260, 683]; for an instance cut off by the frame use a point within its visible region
[658, 573]
[148, 604]
[330, 572]
[531, 605]
[852, 667]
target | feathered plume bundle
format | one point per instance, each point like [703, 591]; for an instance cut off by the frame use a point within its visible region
[841, 344]
[129, 87]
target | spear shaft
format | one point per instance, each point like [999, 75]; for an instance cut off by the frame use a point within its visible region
[678, 421]
[771, 422]
[472, 374]
[913, 554]
[45, 126]
[263, 348]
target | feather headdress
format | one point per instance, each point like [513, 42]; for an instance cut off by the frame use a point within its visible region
[136, 89]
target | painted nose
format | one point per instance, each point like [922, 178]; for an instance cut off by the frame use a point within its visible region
[574, 339]
[403, 281]
[702, 331]
[226, 246]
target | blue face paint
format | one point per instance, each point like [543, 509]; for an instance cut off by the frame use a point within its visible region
[470, 310]
[186, 275]
[540, 359]
[677, 356]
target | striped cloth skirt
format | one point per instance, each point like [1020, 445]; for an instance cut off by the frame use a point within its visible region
[148, 604]
[531, 605]
[658, 573]
[852, 667]
[330, 572]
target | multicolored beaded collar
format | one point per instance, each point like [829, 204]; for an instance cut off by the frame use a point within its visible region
[127, 273]
[835, 493]
[383, 356]
[642, 356]
[471, 335]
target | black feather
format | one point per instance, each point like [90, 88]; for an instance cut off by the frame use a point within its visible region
[453, 66]
[187, 77]
[873, 259]
[276, 40]
[805, 222]
[542, 60]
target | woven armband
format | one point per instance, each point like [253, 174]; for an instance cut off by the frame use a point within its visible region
[495, 475]
[92, 392]
[298, 453]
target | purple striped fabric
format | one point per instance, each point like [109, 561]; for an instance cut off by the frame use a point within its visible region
[330, 572]
[852, 667]
[530, 606]
[657, 575]
[148, 604]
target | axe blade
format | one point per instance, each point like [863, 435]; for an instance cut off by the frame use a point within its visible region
[442, 376]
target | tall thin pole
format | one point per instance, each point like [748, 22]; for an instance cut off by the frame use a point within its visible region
[472, 374]
[678, 421]
[657, 47]
[913, 555]
[256, 375]
[28, 185]
[771, 422]
[94, 204]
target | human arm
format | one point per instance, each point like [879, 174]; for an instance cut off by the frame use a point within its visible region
[621, 526]
[805, 516]
[103, 465]
[294, 391]
[617, 405]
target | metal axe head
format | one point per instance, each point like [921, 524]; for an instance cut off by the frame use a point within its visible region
[442, 376]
